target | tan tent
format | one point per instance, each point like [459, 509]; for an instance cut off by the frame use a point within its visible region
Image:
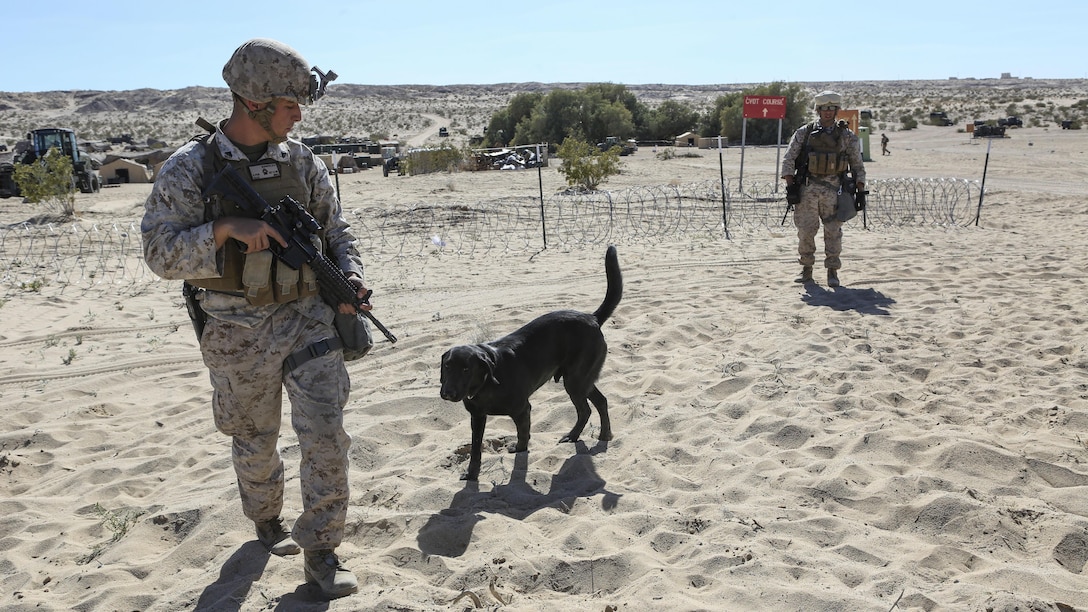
[124, 171]
[687, 139]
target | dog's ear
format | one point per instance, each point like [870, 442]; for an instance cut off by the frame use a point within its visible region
[442, 367]
[483, 370]
[488, 359]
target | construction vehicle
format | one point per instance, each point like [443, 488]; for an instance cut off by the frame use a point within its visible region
[84, 176]
[627, 147]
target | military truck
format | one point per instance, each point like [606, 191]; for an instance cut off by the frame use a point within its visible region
[84, 176]
[940, 118]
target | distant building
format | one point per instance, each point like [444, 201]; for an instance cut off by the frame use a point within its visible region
[687, 139]
[122, 170]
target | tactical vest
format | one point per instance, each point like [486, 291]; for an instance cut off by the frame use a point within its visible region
[825, 152]
[259, 277]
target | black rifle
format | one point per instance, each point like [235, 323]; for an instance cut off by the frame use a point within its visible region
[291, 221]
[800, 177]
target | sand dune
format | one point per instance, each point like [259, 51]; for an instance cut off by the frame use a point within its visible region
[913, 440]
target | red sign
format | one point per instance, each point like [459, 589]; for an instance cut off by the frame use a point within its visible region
[764, 107]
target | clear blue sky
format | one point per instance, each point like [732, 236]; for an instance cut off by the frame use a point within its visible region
[121, 45]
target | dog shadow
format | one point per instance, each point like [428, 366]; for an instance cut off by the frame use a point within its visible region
[449, 532]
[863, 301]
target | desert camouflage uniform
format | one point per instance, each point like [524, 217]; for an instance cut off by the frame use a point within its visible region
[244, 346]
[818, 199]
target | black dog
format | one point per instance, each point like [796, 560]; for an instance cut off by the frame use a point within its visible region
[498, 377]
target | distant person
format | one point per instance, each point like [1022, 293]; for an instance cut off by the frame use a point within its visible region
[266, 326]
[829, 149]
[884, 145]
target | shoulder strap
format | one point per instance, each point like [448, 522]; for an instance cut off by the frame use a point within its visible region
[212, 162]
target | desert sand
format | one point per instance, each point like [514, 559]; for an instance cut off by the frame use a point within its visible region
[914, 440]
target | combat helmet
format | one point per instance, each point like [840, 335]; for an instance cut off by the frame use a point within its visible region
[827, 100]
[263, 69]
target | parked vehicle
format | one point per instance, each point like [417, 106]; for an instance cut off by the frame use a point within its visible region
[84, 176]
[986, 130]
[627, 147]
[939, 118]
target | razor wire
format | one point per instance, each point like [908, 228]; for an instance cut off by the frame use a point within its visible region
[105, 256]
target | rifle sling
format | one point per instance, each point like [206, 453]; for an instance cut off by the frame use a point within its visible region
[317, 349]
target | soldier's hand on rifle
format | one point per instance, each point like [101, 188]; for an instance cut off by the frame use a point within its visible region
[363, 296]
[255, 234]
[859, 198]
[793, 193]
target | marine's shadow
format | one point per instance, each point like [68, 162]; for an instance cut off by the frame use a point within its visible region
[448, 532]
[864, 301]
[236, 578]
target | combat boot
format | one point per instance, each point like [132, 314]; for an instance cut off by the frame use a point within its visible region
[832, 277]
[323, 568]
[275, 538]
[806, 275]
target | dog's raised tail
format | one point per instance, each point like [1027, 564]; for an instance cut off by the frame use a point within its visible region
[614, 291]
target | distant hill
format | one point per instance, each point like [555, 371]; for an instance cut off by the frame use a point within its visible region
[397, 110]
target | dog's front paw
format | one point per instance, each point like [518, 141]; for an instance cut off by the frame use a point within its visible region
[517, 448]
[472, 474]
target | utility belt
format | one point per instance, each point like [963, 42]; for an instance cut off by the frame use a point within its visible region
[352, 331]
[828, 180]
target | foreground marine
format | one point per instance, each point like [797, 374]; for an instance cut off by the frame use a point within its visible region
[815, 167]
[265, 327]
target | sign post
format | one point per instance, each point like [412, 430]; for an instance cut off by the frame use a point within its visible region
[725, 208]
[762, 107]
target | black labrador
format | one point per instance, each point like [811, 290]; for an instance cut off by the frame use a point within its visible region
[498, 377]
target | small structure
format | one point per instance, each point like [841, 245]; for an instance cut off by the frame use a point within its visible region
[121, 170]
[687, 139]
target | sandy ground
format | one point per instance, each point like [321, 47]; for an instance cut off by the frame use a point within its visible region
[913, 440]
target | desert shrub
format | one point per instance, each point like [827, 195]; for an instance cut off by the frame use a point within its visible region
[909, 122]
[594, 113]
[48, 181]
[586, 166]
[445, 158]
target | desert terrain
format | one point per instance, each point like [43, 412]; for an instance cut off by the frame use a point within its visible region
[914, 440]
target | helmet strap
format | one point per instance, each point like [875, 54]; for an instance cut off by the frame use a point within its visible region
[263, 117]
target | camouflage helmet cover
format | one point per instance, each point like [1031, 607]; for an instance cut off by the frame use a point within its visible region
[263, 69]
[827, 99]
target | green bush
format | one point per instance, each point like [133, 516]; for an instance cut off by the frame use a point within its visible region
[48, 181]
[909, 122]
[586, 166]
[445, 158]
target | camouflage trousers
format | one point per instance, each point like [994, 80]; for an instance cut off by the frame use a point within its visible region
[818, 200]
[246, 368]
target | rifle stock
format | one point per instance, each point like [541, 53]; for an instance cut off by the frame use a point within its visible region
[291, 220]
